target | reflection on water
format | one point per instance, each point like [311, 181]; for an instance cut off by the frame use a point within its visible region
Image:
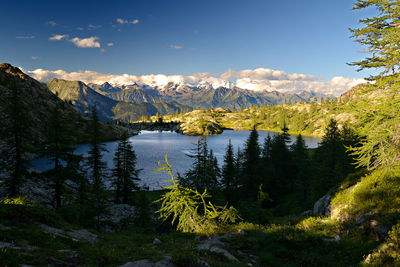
[150, 147]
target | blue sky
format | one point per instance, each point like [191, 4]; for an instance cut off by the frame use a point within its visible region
[183, 37]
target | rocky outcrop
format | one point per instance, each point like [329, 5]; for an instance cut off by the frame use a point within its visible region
[322, 206]
[148, 263]
[76, 235]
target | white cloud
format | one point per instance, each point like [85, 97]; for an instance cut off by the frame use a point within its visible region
[26, 37]
[257, 80]
[58, 37]
[110, 44]
[122, 21]
[51, 23]
[265, 74]
[91, 42]
[35, 57]
[79, 28]
[125, 21]
[93, 26]
[176, 47]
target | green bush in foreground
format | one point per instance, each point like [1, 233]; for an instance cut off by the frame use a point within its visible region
[189, 208]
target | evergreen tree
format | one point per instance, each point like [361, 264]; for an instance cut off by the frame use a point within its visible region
[251, 165]
[97, 168]
[15, 131]
[380, 34]
[205, 171]
[125, 174]
[228, 172]
[301, 163]
[267, 168]
[58, 148]
[282, 166]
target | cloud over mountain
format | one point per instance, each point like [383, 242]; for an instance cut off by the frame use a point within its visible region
[259, 79]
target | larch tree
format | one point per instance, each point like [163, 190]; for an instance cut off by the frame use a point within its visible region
[380, 35]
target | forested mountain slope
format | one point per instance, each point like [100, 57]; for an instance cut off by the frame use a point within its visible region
[38, 102]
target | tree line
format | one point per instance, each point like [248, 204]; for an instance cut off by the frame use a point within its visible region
[274, 172]
[88, 198]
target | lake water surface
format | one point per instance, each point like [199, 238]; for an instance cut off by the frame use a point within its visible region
[151, 147]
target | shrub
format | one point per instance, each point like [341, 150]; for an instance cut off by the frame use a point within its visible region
[190, 210]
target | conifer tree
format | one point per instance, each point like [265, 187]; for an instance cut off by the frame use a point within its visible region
[15, 131]
[205, 171]
[380, 34]
[301, 163]
[58, 149]
[125, 174]
[97, 168]
[251, 165]
[228, 172]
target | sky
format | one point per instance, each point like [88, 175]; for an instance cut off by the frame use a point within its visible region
[285, 45]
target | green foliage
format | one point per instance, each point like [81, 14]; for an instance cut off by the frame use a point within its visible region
[380, 34]
[205, 171]
[190, 210]
[125, 173]
[59, 147]
[376, 194]
[15, 132]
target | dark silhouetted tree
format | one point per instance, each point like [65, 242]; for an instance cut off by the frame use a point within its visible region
[125, 174]
[15, 131]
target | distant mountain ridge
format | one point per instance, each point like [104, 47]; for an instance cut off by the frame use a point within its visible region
[84, 98]
[201, 95]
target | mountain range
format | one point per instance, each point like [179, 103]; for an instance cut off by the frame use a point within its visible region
[83, 98]
[201, 95]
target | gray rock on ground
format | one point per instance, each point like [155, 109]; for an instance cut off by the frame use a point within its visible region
[322, 206]
[148, 263]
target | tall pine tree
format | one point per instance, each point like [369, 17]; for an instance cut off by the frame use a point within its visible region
[125, 174]
[58, 149]
[97, 169]
[229, 172]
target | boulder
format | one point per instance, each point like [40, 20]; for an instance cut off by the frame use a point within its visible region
[117, 216]
[381, 231]
[223, 252]
[322, 206]
[139, 263]
[83, 234]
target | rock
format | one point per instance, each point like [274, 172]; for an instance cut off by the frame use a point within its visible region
[117, 213]
[203, 263]
[164, 263]
[223, 252]
[209, 242]
[322, 206]
[381, 231]
[51, 230]
[156, 241]
[307, 213]
[360, 221]
[13, 246]
[242, 232]
[335, 239]
[8, 245]
[68, 253]
[139, 263]
[4, 228]
[84, 234]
